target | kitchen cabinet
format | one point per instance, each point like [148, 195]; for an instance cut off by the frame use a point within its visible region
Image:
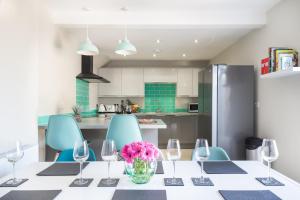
[132, 82]
[114, 88]
[182, 127]
[160, 75]
[185, 82]
[195, 82]
[188, 130]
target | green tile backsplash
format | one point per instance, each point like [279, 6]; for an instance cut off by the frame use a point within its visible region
[160, 97]
[82, 94]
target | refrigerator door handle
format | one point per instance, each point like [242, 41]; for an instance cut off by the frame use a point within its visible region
[214, 105]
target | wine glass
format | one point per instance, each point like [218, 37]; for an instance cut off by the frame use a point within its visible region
[13, 157]
[109, 153]
[269, 153]
[201, 153]
[80, 154]
[173, 154]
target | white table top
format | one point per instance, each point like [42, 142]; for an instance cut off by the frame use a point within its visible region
[185, 170]
[103, 123]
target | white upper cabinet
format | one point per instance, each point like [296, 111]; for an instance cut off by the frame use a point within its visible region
[114, 88]
[185, 82]
[195, 81]
[160, 75]
[132, 82]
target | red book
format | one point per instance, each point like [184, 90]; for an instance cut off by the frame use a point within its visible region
[265, 65]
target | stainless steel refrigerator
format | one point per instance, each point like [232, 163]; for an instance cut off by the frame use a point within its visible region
[226, 107]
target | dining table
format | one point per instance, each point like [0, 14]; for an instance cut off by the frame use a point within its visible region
[184, 169]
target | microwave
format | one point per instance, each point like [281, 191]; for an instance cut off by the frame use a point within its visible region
[193, 107]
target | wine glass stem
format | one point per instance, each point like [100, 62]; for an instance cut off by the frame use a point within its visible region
[108, 169]
[269, 169]
[174, 168]
[201, 178]
[14, 172]
[81, 180]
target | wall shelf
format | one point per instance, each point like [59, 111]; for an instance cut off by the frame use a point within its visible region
[283, 73]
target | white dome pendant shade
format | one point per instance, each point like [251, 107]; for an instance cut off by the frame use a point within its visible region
[125, 48]
[87, 48]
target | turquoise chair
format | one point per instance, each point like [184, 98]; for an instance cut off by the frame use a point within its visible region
[216, 154]
[67, 156]
[62, 132]
[124, 129]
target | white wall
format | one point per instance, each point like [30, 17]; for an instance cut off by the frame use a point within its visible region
[38, 65]
[19, 77]
[58, 66]
[279, 99]
[18, 69]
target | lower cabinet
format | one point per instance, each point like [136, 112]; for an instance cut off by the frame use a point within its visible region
[184, 128]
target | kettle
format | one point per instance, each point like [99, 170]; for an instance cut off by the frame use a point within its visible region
[102, 108]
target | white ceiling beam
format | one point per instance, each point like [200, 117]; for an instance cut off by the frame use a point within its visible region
[175, 19]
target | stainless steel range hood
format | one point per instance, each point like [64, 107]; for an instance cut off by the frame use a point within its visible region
[87, 71]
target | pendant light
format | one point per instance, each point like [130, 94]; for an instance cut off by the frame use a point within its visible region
[125, 47]
[87, 47]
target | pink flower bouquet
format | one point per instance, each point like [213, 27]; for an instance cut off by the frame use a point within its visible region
[141, 150]
[140, 161]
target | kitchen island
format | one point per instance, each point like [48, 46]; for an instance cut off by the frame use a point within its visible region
[94, 128]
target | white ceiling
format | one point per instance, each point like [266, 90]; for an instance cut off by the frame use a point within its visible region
[173, 42]
[216, 24]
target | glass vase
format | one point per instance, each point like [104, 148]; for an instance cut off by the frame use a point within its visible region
[140, 171]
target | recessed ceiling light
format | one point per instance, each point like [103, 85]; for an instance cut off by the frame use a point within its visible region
[157, 51]
[154, 55]
[124, 8]
[87, 9]
[157, 41]
[196, 41]
[184, 55]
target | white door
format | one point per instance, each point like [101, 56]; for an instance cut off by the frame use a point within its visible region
[185, 82]
[114, 88]
[160, 75]
[133, 82]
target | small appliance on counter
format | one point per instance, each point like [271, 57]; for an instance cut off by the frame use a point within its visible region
[114, 108]
[102, 108]
[193, 107]
[110, 108]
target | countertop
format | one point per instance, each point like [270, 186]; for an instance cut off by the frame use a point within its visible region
[103, 123]
[166, 114]
[159, 114]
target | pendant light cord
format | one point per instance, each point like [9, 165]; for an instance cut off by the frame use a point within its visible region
[87, 32]
[125, 9]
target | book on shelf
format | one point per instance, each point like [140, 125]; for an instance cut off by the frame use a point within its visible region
[265, 66]
[281, 55]
[288, 55]
[285, 61]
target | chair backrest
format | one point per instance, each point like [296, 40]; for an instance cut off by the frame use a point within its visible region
[62, 132]
[124, 129]
[67, 156]
[216, 153]
[161, 156]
